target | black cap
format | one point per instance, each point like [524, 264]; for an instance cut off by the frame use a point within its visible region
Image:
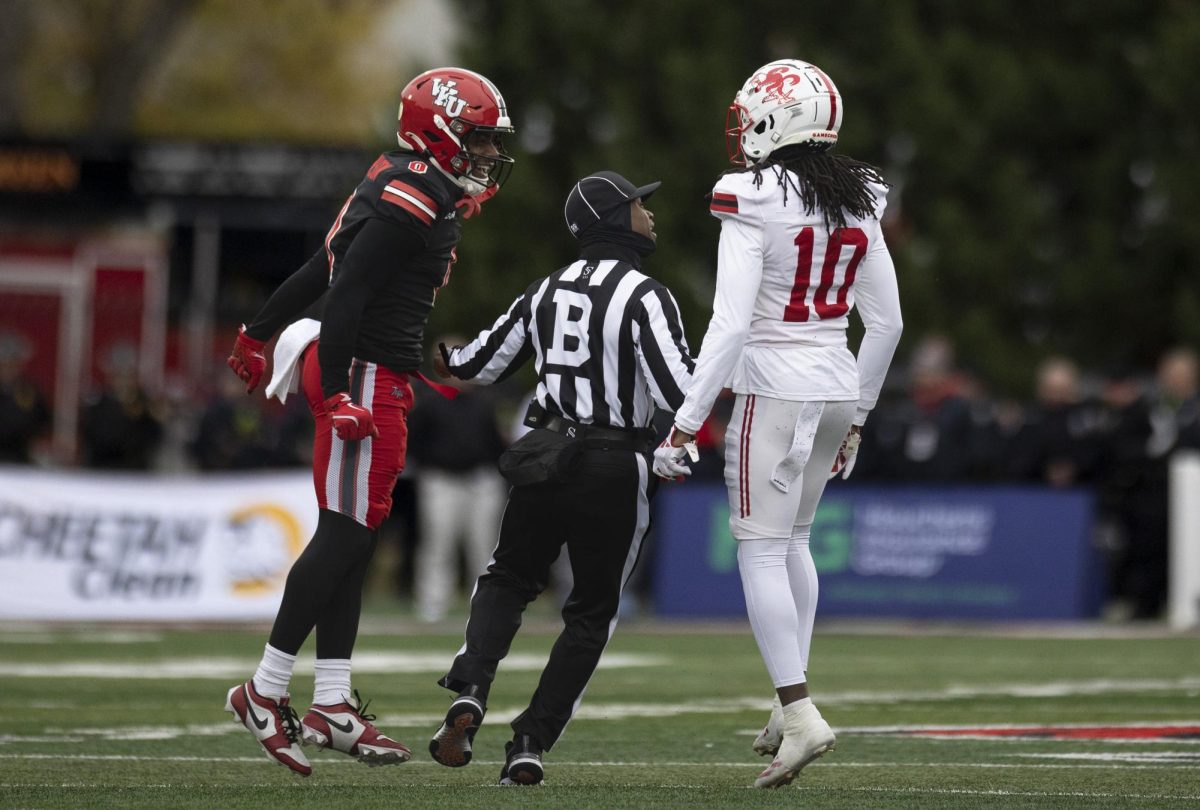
[595, 195]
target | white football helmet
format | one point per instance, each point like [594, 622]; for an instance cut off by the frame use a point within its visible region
[784, 102]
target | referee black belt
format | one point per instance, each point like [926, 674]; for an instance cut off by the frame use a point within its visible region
[597, 437]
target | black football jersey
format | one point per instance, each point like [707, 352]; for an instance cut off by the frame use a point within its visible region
[389, 250]
[405, 190]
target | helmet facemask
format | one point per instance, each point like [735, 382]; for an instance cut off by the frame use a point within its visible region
[737, 121]
[478, 172]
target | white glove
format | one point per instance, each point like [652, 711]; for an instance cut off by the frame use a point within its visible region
[844, 463]
[668, 459]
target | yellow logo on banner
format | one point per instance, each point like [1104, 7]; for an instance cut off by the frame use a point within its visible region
[270, 538]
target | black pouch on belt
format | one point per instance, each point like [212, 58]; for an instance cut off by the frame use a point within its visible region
[539, 457]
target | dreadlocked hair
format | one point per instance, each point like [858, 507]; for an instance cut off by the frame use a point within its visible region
[830, 183]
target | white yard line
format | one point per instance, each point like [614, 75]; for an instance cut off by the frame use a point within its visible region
[1003, 726]
[604, 712]
[1182, 797]
[1098, 686]
[233, 669]
[1192, 757]
[748, 764]
[82, 637]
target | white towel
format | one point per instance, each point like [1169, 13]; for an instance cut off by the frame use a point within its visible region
[802, 444]
[285, 376]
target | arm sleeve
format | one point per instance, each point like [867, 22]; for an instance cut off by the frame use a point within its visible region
[497, 352]
[739, 272]
[291, 298]
[877, 299]
[380, 249]
[662, 349]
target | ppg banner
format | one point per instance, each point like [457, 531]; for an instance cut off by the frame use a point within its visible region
[137, 548]
[974, 553]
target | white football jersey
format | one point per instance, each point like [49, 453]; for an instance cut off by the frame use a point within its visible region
[785, 286]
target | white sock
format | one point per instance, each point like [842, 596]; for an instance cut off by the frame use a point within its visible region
[796, 705]
[274, 673]
[802, 576]
[763, 565]
[332, 681]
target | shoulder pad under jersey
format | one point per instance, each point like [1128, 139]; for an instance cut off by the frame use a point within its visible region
[735, 196]
[407, 188]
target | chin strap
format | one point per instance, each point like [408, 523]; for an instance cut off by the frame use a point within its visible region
[472, 204]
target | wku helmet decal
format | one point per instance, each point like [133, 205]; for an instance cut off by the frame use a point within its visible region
[775, 82]
[445, 95]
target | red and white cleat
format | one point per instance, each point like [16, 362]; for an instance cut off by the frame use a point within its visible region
[348, 729]
[273, 724]
[806, 736]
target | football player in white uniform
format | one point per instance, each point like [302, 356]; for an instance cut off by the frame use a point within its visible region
[801, 245]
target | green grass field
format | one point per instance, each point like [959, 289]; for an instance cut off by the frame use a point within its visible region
[132, 718]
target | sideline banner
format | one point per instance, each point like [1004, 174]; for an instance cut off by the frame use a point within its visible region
[911, 552]
[76, 546]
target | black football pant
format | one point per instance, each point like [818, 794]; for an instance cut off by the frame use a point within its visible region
[601, 515]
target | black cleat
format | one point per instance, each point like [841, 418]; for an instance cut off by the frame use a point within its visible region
[451, 745]
[522, 762]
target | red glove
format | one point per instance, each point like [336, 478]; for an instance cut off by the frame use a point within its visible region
[247, 360]
[352, 422]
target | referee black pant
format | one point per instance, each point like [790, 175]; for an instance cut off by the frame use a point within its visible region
[601, 514]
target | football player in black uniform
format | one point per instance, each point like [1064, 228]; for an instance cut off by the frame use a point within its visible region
[390, 248]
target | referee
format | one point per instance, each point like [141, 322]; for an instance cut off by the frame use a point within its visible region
[608, 348]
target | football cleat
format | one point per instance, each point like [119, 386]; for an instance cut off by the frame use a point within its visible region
[806, 736]
[768, 740]
[451, 746]
[273, 724]
[522, 762]
[349, 729]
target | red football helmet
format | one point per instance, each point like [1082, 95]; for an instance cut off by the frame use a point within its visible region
[443, 113]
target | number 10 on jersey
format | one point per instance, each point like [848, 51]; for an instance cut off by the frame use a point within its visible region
[798, 310]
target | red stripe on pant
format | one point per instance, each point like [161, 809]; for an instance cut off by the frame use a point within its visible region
[356, 478]
[744, 465]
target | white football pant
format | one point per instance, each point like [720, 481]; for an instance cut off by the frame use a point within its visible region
[778, 455]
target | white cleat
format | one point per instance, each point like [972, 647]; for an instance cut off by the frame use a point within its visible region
[768, 740]
[806, 736]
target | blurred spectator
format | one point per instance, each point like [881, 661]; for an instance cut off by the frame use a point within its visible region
[460, 494]
[122, 425]
[930, 436]
[1060, 438]
[393, 566]
[1175, 417]
[233, 432]
[1149, 430]
[993, 423]
[24, 413]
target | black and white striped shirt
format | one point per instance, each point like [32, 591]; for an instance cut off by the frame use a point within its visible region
[606, 339]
